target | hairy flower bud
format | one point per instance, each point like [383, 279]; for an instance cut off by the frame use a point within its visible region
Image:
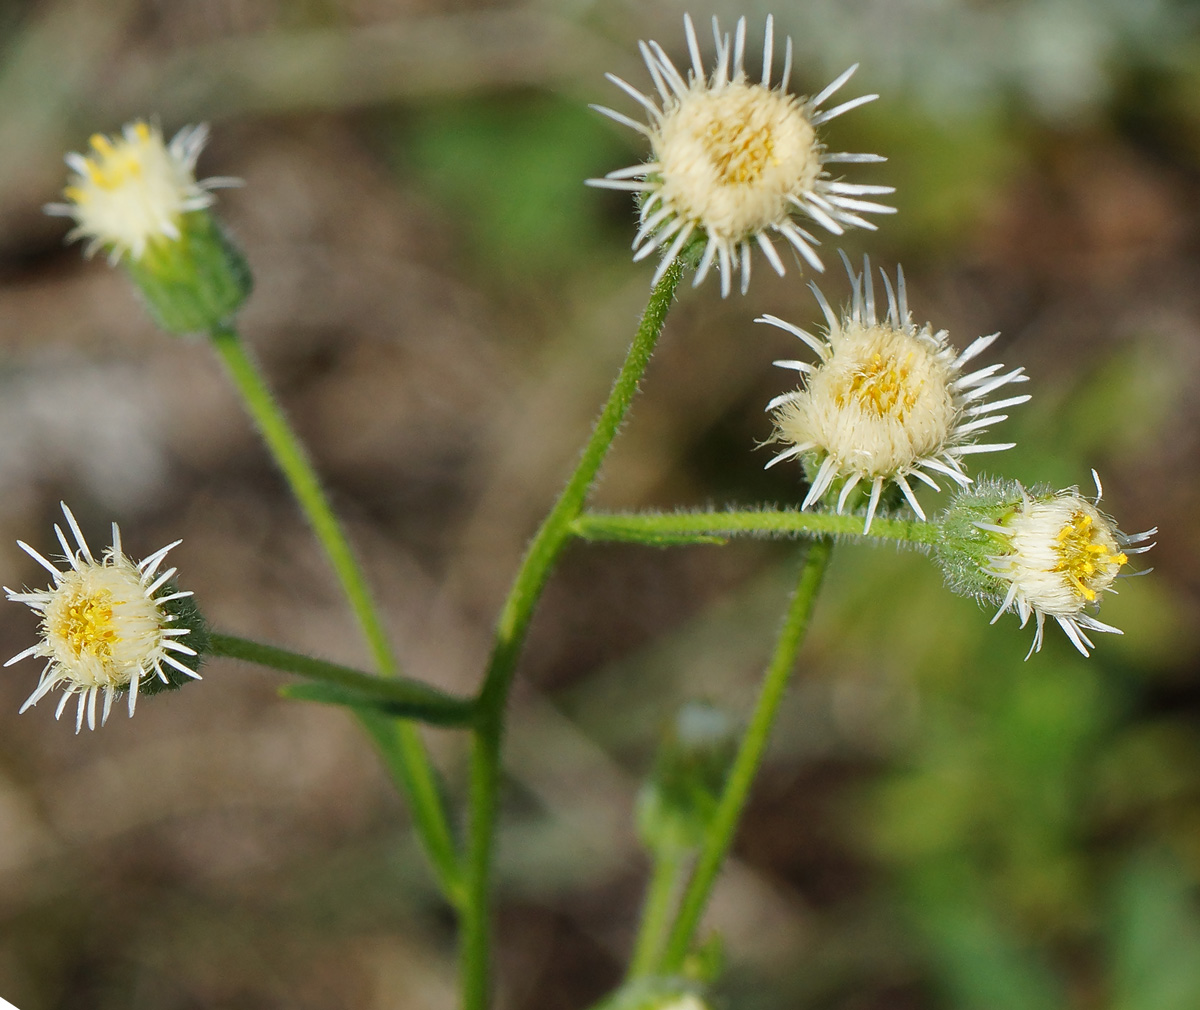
[1036, 552]
[137, 197]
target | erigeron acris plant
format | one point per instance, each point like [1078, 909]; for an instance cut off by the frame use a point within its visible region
[882, 402]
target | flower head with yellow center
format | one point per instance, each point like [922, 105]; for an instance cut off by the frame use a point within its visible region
[108, 626]
[133, 189]
[1037, 553]
[886, 401]
[733, 159]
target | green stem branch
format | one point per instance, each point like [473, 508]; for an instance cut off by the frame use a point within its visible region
[511, 629]
[399, 695]
[749, 756]
[657, 527]
[656, 911]
[399, 741]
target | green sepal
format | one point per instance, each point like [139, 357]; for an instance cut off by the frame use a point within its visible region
[187, 615]
[196, 282]
[963, 550]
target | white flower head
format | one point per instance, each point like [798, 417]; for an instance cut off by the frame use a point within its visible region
[886, 400]
[107, 625]
[733, 159]
[1057, 553]
[134, 188]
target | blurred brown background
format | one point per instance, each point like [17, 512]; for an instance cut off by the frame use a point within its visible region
[441, 305]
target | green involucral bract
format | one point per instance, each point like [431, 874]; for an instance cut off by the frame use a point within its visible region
[196, 282]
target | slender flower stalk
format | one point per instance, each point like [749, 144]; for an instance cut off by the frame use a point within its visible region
[659, 528]
[734, 159]
[749, 756]
[511, 629]
[665, 875]
[399, 740]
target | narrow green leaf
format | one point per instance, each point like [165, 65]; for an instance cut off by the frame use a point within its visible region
[435, 711]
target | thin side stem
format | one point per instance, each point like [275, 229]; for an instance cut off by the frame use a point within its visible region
[399, 741]
[511, 629]
[749, 756]
[654, 527]
[418, 699]
[665, 875]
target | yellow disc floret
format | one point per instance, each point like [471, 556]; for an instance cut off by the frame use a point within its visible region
[100, 622]
[731, 160]
[878, 404]
[1089, 556]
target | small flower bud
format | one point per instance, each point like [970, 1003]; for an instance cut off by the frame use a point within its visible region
[678, 802]
[111, 625]
[137, 197]
[1036, 552]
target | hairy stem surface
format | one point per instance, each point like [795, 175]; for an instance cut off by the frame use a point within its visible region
[511, 629]
[417, 699]
[655, 527]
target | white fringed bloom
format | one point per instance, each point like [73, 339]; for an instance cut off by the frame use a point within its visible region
[887, 400]
[733, 159]
[103, 628]
[1061, 553]
[134, 188]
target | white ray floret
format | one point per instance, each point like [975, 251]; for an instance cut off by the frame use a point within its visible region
[885, 401]
[103, 629]
[1058, 554]
[733, 159]
[134, 188]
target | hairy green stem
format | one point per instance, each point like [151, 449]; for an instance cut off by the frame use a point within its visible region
[665, 873]
[411, 698]
[720, 832]
[654, 528]
[511, 628]
[399, 741]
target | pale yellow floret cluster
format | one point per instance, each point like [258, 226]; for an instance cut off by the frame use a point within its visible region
[880, 401]
[886, 401]
[1060, 554]
[134, 188]
[735, 159]
[100, 623]
[105, 626]
[1064, 553]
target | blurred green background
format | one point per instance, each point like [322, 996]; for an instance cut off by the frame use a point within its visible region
[442, 304]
